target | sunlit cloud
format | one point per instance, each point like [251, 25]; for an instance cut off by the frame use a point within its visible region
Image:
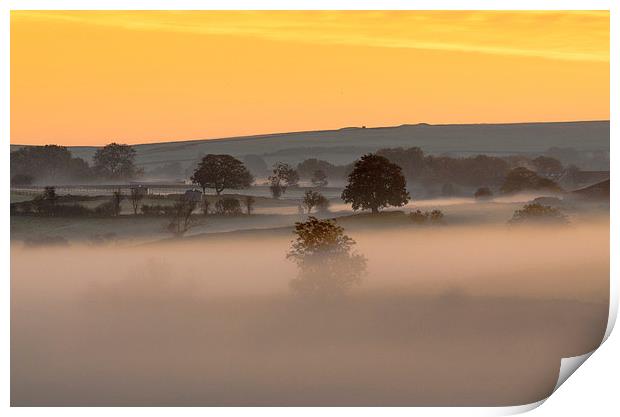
[566, 35]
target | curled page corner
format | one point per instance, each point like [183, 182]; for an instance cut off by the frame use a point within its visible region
[569, 365]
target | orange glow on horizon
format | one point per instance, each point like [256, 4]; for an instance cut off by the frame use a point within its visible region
[92, 77]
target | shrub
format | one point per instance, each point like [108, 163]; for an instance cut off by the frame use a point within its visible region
[228, 207]
[436, 216]
[537, 213]
[418, 217]
[425, 217]
[483, 192]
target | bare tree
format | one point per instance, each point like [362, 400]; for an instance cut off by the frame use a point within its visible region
[181, 220]
[136, 195]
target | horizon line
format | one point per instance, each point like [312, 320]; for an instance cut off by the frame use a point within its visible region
[259, 135]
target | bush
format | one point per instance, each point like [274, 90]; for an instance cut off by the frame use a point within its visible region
[537, 213]
[228, 207]
[483, 192]
[425, 217]
[418, 217]
[436, 216]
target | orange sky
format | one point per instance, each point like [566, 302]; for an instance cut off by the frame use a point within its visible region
[92, 77]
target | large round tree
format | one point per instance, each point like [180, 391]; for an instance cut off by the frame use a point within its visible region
[220, 172]
[115, 161]
[375, 183]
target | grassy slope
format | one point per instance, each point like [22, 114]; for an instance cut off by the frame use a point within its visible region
[345, 145]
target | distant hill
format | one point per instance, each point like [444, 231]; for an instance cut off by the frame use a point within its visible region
[347, 144]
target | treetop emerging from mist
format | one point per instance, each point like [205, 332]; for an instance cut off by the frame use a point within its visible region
[327, 264]
[316, 236]
[375, 183]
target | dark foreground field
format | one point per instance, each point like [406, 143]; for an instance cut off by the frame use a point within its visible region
[374, 350]
[448, 316]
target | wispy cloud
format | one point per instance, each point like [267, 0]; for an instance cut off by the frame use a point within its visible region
[567, 35]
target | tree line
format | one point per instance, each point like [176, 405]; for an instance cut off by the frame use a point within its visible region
[375, 181]
[56, 164]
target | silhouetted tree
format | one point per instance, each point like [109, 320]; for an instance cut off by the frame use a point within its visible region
[314, 199]
[375, 183]
[115, 161]
[49, 163]
[220, 172]
[319, 178]
[284, 176]
[327, 264]
[522, 179]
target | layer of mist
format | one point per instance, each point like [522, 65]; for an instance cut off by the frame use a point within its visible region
[445, 316]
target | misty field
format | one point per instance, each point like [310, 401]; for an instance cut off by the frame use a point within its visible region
[473, 312]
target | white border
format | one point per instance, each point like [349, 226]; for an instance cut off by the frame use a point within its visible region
[596, 386]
